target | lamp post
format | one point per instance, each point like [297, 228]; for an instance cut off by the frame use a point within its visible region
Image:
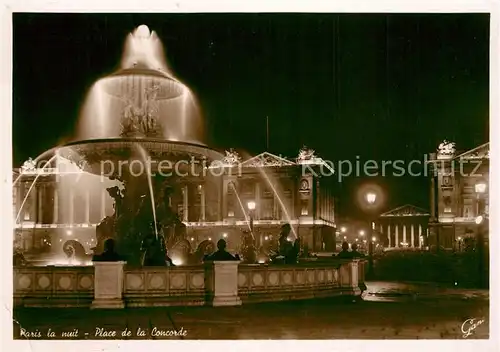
[480, 189]
[371, 198]
[251, 209]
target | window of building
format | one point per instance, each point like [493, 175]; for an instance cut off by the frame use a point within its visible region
[303, 209]
[230, 208]
[267, 209]
[468, 211]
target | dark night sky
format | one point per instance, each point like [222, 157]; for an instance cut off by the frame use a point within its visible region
[383, 87]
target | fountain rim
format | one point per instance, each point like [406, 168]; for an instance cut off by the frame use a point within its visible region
[204, 149]
[142, 71]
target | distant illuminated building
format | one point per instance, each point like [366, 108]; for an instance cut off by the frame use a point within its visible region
[459, 193]
[284, 191]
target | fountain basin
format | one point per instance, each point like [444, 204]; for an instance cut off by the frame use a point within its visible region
[91, 155]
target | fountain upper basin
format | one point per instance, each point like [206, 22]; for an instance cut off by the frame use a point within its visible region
[91, 155]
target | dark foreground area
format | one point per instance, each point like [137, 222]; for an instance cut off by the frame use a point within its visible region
[388, 311]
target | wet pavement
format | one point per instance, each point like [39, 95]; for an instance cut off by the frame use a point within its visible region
[388, 311]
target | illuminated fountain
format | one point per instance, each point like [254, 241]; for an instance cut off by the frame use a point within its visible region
[137, 166]
[135, 122]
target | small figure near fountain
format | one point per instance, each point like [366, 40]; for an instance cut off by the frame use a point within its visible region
[355, 253]
[248, 250]
[154, 248]
[109, 254]
[344, 253]
[221, 254]
[18, 258]
[288, 251]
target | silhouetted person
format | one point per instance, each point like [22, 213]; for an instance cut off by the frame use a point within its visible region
[345, 251]
[221, 253]
[109, 254]
[355, 253]
[19, 259]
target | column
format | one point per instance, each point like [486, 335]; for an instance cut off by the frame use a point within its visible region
[56, 206]
[404, 233]
[33, 197]
[258, 203]
[389, 234]
[103, 203]
[39, 217]
[397, 236]
[185, 203]
[433, 200]
[202, 200]
[412, 235]
[87, 207]
[420, 235]
[71, 206]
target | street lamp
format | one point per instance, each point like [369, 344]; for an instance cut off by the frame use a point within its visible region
[251, 209]
[371, 203]
[362, 233]
[371, 197]
[343, 229]
[480, 250]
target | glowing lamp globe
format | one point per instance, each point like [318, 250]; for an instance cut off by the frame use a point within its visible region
[251, 205]
[480, 187]
[371, 198]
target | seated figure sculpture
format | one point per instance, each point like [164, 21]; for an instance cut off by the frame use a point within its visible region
[109, 254]
[355, 253]
[344, 253]
[287, 250]
[221, 254]
[154, 249]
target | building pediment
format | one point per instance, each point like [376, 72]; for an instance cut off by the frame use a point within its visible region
[406, 210]
[480, 152]
[267, 159]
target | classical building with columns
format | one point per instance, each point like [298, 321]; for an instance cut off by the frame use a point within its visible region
[53, 206]
[459, 193]
[403, 227]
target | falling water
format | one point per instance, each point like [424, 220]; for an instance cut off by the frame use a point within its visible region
[144, 156]
[282, 205]
[31, 187]
[36, 161]
[143, 66]
[243, 209]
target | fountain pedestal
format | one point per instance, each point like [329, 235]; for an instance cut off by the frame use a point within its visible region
[221, 283]
[108, 285]
[349, 276]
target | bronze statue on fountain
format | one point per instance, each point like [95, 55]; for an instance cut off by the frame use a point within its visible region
[288, 252]
[248, 250]
[138, 238]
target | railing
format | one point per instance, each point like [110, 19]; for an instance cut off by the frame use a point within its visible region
[158, 286]
[216, 283]
[54, 286]
[273, 283]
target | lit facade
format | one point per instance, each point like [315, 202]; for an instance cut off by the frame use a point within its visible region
[459, 193]
[403, 227]
[61, 207]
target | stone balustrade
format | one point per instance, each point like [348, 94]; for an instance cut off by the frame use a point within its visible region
[214, 283]
[158, 286]
[54, 286]
[259, 283]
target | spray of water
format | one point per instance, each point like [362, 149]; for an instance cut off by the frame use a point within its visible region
[31, 187]
[36, 161]
[144, 157]
[265, 176]
[243, 209]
